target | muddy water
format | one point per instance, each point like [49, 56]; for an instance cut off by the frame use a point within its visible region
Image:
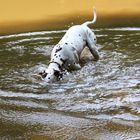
[99, 102]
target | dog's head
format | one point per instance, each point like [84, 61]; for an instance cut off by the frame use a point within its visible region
[51, 75]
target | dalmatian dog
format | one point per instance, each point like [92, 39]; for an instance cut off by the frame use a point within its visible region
[66, 54]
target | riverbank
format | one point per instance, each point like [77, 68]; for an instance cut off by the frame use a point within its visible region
[67, 20]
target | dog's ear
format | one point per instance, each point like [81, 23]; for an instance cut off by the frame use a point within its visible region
[43, 74]
[57, 73]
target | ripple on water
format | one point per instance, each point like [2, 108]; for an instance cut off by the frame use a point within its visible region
[100, 99]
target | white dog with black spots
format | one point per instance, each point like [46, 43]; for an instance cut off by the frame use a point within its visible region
[66, 54]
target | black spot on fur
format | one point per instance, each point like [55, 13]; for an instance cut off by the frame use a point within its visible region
[57, 50]
[63, 60]
[79, 35]
[66, 43]
[73, 48]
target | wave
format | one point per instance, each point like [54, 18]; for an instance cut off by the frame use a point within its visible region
[125, 29]
[31, 34]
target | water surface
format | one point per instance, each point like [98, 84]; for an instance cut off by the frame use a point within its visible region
[101, 101]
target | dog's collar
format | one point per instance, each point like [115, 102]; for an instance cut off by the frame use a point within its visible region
[60, 72]
[55, 63]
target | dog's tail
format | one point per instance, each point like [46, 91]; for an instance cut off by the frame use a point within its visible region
[94, 18]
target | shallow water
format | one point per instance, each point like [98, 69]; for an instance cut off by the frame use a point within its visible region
[101, 101]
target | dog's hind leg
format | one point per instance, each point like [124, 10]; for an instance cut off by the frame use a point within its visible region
[91, 44]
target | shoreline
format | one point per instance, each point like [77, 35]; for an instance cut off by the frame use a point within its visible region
[65, 21]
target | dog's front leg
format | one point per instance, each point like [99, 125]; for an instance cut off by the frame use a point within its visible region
[73, 62]
[76, 64]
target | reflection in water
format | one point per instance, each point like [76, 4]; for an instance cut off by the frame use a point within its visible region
[100, 101]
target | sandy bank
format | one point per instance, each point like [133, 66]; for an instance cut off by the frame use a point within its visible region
[65, 21]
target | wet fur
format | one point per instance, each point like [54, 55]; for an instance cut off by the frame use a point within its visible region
[66, 54]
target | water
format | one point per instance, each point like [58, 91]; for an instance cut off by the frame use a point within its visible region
[101, 101]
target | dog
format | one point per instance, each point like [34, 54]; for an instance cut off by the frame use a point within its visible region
[66, 54]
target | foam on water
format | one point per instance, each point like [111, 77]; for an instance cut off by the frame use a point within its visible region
[125, 29]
